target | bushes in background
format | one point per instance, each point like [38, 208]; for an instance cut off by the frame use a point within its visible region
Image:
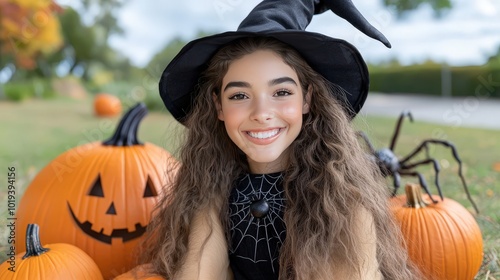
[19, 91]
[427, 79]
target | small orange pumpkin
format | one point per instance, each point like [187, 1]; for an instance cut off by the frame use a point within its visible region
[107, 105]
[99, 196]
[56, 262]
[443, 239]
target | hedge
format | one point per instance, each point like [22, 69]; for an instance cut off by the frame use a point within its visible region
[481, 81]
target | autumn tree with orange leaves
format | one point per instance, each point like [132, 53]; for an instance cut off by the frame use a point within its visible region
[30, 28]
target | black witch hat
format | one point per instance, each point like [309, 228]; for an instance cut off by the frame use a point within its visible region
[285, 20]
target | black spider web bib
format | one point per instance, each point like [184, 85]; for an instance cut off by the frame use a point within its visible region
[257, 229]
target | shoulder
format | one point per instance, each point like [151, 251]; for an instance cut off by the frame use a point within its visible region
[207, 253]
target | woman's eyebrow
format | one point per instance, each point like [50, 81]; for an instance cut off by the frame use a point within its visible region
[281, 80]
[272, 82]
[237, 84]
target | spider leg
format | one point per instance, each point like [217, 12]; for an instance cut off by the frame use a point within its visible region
[455, 155]
[398, 128]
[397, 182]
[426, 147]
[422, 182]
[367, 140]
[436, 169]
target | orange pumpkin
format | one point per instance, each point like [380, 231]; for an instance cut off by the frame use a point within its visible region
[107, 105]
[99, 196]
[56, 261]
[443, 239]
[139, 273]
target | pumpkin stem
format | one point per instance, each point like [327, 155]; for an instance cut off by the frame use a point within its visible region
[126, 133]
[414, 196]
[33, 245]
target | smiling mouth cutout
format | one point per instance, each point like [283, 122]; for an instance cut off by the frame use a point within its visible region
[124, 234]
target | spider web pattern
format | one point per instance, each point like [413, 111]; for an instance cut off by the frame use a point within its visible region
[257, 240]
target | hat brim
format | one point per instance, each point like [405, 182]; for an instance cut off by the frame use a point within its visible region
[336, 60]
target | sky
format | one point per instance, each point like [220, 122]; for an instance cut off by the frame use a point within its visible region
[466, 35]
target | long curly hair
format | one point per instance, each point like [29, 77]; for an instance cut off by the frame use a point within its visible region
[327, 177]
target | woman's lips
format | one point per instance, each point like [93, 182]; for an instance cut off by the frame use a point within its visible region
[263, 137]
[263, 134]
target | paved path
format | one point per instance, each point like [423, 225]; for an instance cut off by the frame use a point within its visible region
[466, 112]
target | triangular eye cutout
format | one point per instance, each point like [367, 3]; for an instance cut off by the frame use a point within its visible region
[96, 189]
[150, 189]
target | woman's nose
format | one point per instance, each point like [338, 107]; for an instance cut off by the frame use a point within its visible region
[262, 110]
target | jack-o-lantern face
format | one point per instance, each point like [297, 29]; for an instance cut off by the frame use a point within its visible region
[99, 196]
[96, 190]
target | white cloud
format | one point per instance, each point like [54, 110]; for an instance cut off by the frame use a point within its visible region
[486, 7]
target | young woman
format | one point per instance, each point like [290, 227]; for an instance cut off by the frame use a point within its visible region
[271, 162]
[272, 183]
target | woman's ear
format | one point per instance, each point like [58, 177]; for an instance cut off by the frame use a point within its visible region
[307, 101]
[218, 106]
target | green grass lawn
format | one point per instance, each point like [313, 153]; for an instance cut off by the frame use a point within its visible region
[34, 132]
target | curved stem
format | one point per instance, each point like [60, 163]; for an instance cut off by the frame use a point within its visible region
[414, 196]
[33, 245]
[126, 133]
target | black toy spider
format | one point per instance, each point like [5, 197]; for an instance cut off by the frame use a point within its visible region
[390, 164]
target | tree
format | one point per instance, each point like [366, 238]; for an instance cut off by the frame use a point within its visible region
[86, 45]
[81, 46]
[29, 29]
[494, 60]
[106, 18]
[403, 6]
[163, 57]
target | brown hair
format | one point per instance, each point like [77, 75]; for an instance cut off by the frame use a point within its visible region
[327, 177]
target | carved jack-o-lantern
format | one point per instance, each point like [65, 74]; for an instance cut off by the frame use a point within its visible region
[99, 196]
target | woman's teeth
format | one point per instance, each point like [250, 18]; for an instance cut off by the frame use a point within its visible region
[264, 134]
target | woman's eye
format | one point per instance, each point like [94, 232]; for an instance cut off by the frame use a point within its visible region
[283, 92]
[237, 96]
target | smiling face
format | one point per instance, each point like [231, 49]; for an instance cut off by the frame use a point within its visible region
[262, 104]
